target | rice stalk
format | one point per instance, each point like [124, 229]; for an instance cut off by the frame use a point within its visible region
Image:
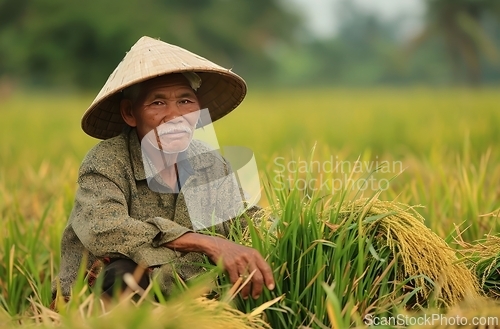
[189, 309]
[179, 313]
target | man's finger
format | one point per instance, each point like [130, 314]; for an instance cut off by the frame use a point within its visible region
[257, 282]
[267, 273]
[233, 274]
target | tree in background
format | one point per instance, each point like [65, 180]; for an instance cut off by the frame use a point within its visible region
[369, 51]
[459, 23]
[363, 52]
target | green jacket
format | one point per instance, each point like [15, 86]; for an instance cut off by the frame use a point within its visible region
[116, 214]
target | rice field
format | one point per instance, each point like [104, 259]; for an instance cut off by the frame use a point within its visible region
[359, 180]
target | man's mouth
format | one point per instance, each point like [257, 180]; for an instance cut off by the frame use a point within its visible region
[173, 131]
[175, 134]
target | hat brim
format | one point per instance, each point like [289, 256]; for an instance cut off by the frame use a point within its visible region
[219, 92]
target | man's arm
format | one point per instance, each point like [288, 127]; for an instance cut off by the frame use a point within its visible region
[236, 259]
[101, 221]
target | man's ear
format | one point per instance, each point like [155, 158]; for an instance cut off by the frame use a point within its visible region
[127, 113]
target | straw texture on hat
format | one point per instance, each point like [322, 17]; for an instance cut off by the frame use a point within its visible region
[221, 90]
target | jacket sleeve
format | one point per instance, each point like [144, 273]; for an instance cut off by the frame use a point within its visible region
[101, 221]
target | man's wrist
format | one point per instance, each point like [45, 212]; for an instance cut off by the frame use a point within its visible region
[195, 242]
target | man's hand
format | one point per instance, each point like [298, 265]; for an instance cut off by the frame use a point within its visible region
[240, 261]
[236, 259]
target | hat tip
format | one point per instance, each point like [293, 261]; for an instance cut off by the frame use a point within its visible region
[147, 38]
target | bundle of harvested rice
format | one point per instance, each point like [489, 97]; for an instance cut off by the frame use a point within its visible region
[424, 256]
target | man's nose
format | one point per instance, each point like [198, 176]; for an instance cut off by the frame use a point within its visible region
[173, 114]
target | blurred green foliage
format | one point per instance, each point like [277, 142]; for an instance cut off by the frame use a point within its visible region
[47, 43]
[469, 34]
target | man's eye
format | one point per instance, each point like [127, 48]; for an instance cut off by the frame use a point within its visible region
[157, 103]
[186, 101]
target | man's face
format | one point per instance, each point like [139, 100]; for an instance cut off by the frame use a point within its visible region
[165, 112]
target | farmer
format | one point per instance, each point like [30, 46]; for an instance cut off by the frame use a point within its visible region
[143, 189]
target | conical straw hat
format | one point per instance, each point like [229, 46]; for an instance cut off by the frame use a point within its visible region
[221, 90]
